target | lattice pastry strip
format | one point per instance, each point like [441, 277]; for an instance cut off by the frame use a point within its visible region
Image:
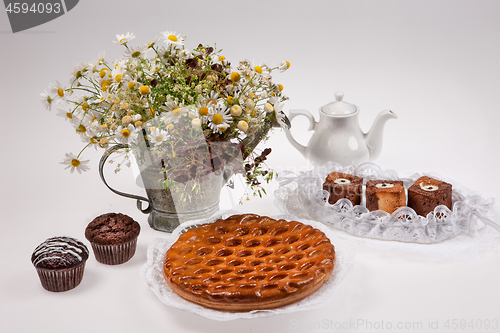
[249, 262]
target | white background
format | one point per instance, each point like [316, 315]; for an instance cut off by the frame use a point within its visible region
[434, 63]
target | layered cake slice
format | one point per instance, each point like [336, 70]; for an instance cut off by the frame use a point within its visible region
[386, 195]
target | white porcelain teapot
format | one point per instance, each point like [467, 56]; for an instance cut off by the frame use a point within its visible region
[337, 136]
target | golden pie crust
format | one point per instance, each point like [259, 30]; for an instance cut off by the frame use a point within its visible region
[249, 262]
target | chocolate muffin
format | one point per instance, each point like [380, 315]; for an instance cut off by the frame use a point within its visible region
[113, 237]
[60, 262]
[386, 195]
[427, 193]
[343, 185]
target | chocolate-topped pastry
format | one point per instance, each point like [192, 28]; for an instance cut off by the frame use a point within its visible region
[386, 195]
[343, 185]
[427, 193]
[60, 262]
[113, 237]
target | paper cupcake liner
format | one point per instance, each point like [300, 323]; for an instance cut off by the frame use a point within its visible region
[114, 254]
[58, 280]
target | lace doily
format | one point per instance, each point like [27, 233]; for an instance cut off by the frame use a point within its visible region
[152, 272]
[472, 216]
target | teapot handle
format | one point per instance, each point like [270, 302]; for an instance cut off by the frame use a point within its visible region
[139, 199]
[312, 125]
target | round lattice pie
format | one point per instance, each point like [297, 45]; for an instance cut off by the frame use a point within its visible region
[249, 262]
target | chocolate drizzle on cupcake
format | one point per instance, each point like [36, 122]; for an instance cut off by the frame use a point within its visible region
[59, 253]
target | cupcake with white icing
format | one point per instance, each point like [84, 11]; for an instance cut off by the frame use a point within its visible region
[60, 262]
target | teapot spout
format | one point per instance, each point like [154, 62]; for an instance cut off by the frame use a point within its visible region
[375, 134]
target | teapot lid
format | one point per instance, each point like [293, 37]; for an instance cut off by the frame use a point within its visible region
[339, 107]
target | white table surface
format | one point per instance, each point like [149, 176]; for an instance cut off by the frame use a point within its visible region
[436, 64]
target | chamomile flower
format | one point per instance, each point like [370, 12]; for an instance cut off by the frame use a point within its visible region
[74, 117]
[157, 136]
[124, 39]
[243, 126]
[79, 70]
[172, 39]
[126, 134]
[219, 119]
[196, 122]
[212, 98]
[58, 91]
[118, 71]
[47, 100]
[283, 66]
[137, 52]
[73, 163]
[173, 116]
[153, 42]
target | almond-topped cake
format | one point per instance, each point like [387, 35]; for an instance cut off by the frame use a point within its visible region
[249, 262]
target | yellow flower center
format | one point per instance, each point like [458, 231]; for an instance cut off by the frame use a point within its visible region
[258, 69]
[196, 122]
[144, 90]
[235, 76]
[93, 140]
[217, 119]
[211, 100]
[151, 111]
[268, 107]
[159, 138]
[280, 87]
[75, 162]
[135, 54]
[287, 64]
[235, 110]
[173, 38]
[131, 85]
[222, 58]
[125, 132]
[102, 73]
[85, 106]
[125, 106]
[242, 125]
[170, 126]
[105, 84]
[118, 77]
[49, 99]
[81, 129]
[69, 115]
[138, 123]
[177, 112]
[127, 120]
[60, 92]
[250, 103]
[203, 111]
[123, 40]
[230, 99]
[104, 141]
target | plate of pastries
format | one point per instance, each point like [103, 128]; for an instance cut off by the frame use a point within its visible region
[369, 202]
[245, 265]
